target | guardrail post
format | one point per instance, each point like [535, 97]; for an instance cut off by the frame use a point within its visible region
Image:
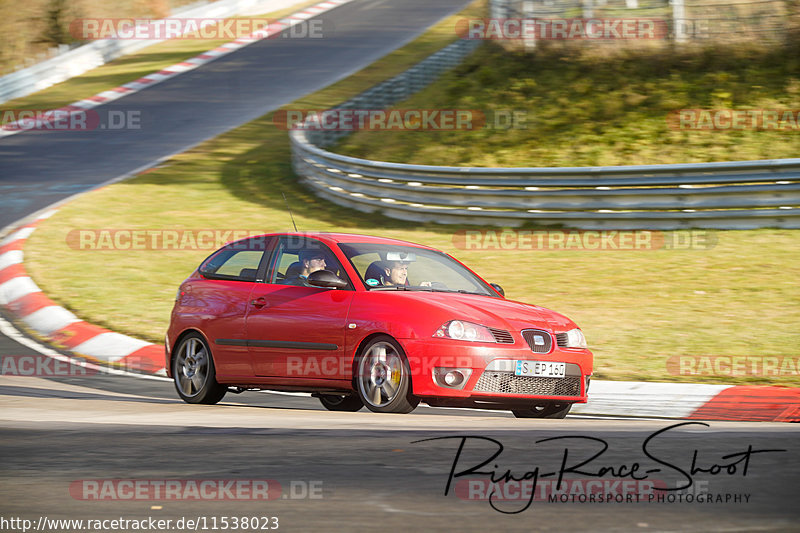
[679, 21]
[528, 40]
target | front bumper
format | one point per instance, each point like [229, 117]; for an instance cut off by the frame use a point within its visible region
[491, 373]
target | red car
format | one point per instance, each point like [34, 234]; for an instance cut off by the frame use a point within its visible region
[366, 321]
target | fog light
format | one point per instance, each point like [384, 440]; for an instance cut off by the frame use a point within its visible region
[453, 378]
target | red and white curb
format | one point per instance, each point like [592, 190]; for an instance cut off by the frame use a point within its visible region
[58, 326]
[271, 31]
[693, 401]
[23, 298]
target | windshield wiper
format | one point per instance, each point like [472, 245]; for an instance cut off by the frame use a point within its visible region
[422, 288]
[401, 288]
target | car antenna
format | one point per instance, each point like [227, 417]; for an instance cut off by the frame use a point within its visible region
[290, 211]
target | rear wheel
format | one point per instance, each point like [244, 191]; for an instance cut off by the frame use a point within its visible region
[383, 380]
[544, 410]
[345, 402]
[193, 372]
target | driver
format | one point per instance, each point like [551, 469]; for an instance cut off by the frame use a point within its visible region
[391, 271]
[396, 273]
[310, 261]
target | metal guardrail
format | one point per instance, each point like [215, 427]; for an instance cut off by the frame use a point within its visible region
[728, 195]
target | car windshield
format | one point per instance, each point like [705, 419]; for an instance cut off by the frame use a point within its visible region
[391, 267]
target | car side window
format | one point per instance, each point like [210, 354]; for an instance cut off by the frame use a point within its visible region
[296, 257]
[288, 264]
[239, 261]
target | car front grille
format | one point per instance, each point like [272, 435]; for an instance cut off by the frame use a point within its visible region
[508, 383]
[502, 336]
[539, 340]
[561, 340]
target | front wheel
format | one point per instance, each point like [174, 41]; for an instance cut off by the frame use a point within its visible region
[193, 372]
[334, 402]
[383, 380]
[545, 410]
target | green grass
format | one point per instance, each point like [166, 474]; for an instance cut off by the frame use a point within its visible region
[588, 106]
[637, 308]
[127, 68]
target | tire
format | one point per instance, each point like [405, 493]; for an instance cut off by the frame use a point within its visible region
[193, 372]
[383, 377]
[348, 402]
[547, 410]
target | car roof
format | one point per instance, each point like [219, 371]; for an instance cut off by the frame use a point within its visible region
[347, 238]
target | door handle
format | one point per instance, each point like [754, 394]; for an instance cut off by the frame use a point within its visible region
[258, 303]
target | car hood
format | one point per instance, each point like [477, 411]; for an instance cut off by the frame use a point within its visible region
[491, 312]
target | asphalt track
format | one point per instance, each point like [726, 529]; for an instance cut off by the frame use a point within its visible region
[336, 471]
[40, 168]
[364, 471]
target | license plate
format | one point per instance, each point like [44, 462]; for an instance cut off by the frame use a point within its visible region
[547, 369]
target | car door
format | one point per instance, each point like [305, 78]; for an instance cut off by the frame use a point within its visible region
[298, 331]
[220, 298]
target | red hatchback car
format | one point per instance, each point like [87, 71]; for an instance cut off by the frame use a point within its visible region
[366, 321]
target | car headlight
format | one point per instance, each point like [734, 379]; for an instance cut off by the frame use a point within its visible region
[465, 331]
[575, 339]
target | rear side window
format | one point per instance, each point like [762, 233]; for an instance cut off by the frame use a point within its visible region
[235, 262]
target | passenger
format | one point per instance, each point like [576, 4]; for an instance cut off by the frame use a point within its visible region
[310, 261]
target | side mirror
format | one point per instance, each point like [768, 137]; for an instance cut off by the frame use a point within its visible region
[499, 289]
[326, 279]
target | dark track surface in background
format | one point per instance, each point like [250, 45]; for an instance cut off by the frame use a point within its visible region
[40, 168]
